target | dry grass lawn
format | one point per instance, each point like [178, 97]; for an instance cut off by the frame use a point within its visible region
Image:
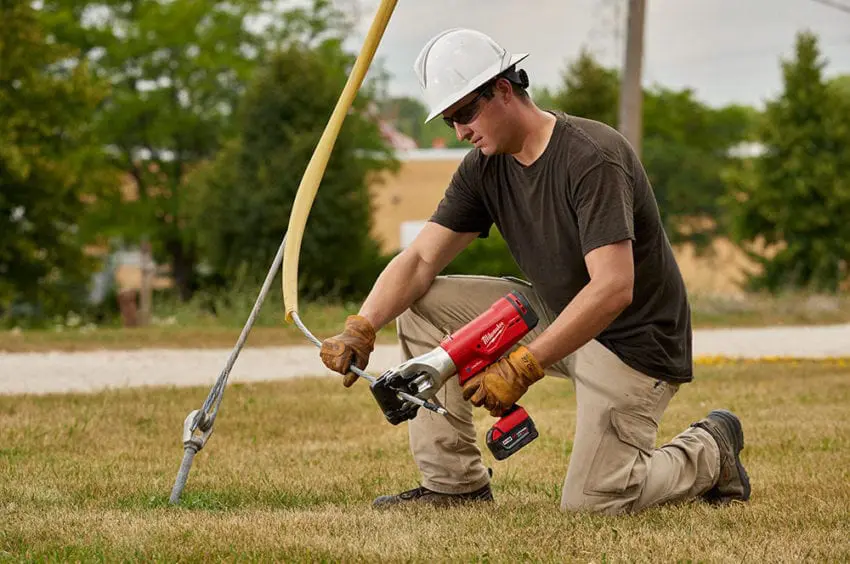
[292, 466]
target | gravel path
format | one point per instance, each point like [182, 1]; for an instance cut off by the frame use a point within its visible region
[91, 371]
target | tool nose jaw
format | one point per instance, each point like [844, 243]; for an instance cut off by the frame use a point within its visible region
[422, 377]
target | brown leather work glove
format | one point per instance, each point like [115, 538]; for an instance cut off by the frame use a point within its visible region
[352, 346]
[500, 385]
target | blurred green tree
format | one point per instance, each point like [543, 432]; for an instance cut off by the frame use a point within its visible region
[841, 86]
[177, 70]
[50, 167]
[795, 198]
[543, 97]
[686, 148]
[408, 115]
[588, 90]
[245, 196]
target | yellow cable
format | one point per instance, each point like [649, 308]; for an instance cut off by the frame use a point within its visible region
[319, 161]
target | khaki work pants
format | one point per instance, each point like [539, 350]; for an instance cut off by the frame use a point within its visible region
[614, 467]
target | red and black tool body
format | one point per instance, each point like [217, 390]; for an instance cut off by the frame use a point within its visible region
[483, 341]
[466, 352]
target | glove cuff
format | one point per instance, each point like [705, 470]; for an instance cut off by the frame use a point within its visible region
[361, 326]
[525, 361]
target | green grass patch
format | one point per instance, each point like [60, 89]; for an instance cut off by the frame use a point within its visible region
[292, 467]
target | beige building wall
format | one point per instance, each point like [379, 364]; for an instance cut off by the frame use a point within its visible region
[413, 192]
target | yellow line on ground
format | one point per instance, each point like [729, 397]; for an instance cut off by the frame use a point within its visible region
[715, 360]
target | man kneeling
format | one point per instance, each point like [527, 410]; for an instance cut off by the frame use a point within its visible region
[576, 209]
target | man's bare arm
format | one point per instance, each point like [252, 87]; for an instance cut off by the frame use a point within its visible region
[608, 293]
[409, 275]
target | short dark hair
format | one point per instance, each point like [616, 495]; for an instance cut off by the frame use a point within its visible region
[517, 78]
[519, 90]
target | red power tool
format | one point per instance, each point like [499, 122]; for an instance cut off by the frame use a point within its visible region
[466, 352]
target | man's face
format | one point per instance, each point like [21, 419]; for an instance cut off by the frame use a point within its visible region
[477, 118]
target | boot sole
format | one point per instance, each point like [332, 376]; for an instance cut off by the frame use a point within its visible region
[732, 420]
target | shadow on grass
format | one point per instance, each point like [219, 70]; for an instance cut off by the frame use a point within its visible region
[236, 499]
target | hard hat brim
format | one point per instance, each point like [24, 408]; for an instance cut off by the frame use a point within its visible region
[476, 82]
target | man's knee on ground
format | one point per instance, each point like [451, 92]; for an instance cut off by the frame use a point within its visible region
[611, 480]
[602, 505]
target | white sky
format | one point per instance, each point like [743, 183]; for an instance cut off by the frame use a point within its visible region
[727, 51]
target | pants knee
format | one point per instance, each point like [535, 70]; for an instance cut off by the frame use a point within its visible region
[417, 314]
[600, 505]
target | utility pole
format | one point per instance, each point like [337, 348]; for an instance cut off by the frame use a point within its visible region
[631, 91]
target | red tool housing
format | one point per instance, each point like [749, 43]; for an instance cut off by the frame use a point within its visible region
[485, 339]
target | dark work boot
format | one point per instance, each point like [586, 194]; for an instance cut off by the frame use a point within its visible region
[733, 484]
[424, 496]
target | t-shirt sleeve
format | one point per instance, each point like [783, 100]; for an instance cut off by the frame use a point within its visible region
[604, 203]
[462, 208]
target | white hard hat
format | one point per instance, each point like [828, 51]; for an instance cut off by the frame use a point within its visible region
[456, 62]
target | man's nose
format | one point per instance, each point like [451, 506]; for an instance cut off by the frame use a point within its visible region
[462, 131]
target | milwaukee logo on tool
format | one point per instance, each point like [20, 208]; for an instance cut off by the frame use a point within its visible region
[493, 334]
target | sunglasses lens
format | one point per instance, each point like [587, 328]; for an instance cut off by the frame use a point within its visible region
[461, 117]
[465, 114]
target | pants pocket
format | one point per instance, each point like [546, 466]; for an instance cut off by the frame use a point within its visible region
[619, 464]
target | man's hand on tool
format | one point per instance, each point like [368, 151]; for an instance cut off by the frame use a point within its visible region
[352, 346]
[502, 383]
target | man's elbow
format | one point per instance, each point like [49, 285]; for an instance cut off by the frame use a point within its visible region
[625, 296]
[620, 294]
[416, 270]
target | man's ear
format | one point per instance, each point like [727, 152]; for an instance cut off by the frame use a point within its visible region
[504, 89]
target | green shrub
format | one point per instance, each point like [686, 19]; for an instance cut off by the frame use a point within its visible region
[488, 256]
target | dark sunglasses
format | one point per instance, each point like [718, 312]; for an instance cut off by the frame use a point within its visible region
[467, 112]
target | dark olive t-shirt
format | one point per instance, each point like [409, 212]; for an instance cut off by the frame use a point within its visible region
[588, 189]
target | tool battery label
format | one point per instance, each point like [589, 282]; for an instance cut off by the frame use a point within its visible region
[511, 440]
